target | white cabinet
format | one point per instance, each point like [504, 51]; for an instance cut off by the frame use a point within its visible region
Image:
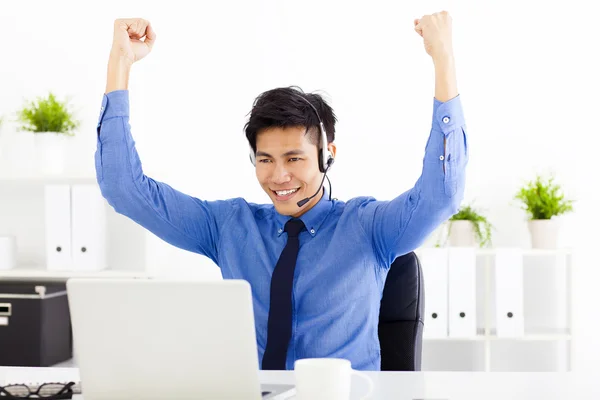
[538, 286]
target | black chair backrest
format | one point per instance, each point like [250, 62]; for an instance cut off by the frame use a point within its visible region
[401, 316]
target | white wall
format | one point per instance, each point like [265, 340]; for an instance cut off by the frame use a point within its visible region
[526, 77]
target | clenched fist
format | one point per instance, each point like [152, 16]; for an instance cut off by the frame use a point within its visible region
[436, 31]
[133, 38]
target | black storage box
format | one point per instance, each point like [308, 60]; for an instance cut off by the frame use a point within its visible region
[35, 324]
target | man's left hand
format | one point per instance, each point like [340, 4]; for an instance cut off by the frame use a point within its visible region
[436, 31]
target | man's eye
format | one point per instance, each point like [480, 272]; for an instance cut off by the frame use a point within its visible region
[264, 160]
[295, 159]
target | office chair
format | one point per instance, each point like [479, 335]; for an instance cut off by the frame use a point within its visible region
[401, 315]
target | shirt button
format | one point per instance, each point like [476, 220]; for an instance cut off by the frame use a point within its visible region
[101, 108]
[441, 158]
[312, 231]
[446, 120]
[280, 230]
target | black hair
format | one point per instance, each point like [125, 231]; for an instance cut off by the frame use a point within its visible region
[284, 108]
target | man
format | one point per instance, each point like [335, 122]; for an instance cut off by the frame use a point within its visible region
[316, 266]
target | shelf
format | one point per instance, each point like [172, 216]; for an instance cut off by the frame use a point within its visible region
[528, 337]
[526, 252]
[42, 180]
[530, 252]
[477, 338]
[545, 337]
[36, 273]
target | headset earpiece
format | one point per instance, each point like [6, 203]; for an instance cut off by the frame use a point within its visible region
[325, 153]
[330, 160]
[252, 156]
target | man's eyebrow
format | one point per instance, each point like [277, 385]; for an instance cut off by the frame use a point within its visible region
[294, 152]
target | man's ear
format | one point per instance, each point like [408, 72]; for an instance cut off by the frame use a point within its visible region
[331, 147]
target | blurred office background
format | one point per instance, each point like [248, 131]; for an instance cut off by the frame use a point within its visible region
[528, 86]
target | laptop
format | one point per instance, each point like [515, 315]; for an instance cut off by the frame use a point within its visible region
[166, 338]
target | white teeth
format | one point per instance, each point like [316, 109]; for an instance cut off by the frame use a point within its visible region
[285, 192]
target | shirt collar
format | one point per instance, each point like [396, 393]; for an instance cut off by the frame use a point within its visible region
[313, 218]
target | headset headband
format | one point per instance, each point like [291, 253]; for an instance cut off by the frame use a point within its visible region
[325, 157]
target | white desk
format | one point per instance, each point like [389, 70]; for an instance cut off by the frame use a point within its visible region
[411, 385]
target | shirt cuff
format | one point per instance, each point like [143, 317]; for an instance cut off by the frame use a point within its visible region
[114, 104]
[448, 115]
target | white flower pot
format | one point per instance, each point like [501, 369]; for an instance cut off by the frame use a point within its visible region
[7, 252]
[462, 234]
[544, 233]
[50, 152]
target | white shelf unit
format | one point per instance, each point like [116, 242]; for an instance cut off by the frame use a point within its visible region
[22, 215]
[542, 260]
[33, 273]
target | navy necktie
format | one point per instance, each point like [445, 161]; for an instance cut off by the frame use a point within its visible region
[279, 329]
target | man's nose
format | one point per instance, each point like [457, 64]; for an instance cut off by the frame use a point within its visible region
[280, 174]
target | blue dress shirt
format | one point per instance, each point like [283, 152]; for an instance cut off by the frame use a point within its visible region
[345, 253]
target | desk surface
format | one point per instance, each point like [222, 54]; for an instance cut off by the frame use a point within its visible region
[410, 385]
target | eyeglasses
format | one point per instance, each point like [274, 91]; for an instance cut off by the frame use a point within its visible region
[47, 391]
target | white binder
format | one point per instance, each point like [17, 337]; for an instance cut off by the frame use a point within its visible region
[462, 295]
[89, 228]
[434, 264]
[57, 218]
[510, 321]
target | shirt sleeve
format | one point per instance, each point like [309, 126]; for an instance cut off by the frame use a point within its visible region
[179, 219]
[402, 224]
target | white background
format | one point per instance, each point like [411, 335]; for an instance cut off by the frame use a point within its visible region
[527, 75]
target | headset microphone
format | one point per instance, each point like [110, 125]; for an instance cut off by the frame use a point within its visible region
[307, 199]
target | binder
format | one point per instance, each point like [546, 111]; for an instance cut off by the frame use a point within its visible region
[434, 263]
[57, 218]
[510, 321]
[88, 227]
[462, 295]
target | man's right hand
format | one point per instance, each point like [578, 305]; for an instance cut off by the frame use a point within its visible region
[127, 39]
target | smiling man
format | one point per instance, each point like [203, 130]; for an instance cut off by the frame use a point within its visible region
[316, 266]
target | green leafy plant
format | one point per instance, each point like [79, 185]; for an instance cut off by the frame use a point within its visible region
[47, 115]
[481, 225]
[542, 199]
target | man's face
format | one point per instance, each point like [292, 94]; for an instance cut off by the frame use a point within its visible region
[287, 168]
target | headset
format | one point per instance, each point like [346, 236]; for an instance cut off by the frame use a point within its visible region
[325, 157]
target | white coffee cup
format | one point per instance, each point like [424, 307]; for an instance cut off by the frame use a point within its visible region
[326, 379]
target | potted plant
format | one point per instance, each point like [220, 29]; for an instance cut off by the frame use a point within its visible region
[52, 123]
[469, 228]
[543, 200]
